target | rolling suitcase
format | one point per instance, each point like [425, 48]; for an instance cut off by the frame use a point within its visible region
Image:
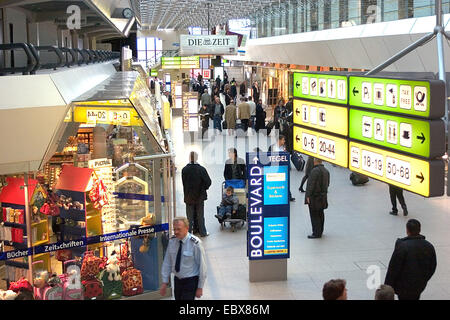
[298, 161]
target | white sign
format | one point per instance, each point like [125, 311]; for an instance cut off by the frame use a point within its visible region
[313, 87]
[378, 125]
[342, 89]
[392, 132]
[405, 97]
[322, 88]
[398, 170]
[212, 45]
[332, 88]
[406, 135]
[420, 99]
[372, 162]
[378, 94]
[367, 128]
[367, 92]
[305, 85]
[391, 95]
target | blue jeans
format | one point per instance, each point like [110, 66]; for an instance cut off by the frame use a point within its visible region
[223, 210]
[218, 122]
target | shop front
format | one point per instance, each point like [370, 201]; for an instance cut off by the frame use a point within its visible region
[91, 220]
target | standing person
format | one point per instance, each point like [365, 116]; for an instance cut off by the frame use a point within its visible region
[252, 112]
[218, 113]
[204, 118]
[244, 114]
[230, 117]
[277, 112]
[412, 264]
[206, 99]
[316, 197]
[186, 259]
[255, 91]
[396, 192]
[235, 167]
[242, 89]
[335, 290]
[195, 183]
[308, 168]
[228, 97]
[260, 117]
[218, 81]
[233, 89]
[199, 77]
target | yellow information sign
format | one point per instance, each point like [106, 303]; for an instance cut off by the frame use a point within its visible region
[419, 176]
[115, 116]
[122, 103]
[321, 116]
[322, 146]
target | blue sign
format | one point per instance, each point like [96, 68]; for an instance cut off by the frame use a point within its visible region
[268, 205]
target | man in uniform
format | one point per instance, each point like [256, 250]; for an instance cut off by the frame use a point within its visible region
[185, 258]
[316, 197]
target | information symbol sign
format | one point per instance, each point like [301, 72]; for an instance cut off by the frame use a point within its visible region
[391, 95]
[313, 87]
[392, 132]
[366, 92]
[379, 129]
[405, 97]
[420, 99]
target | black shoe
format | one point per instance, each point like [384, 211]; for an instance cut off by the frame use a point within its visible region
[292, 199]
[394, 213]
[313, 237]
[301, 190]
[405, 212]
[204, 235]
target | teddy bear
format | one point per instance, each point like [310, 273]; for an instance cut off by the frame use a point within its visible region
[113, 268]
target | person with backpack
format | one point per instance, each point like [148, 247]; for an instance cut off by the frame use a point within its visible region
[316, 197]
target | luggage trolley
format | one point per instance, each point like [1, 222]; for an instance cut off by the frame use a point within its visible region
[240, 217]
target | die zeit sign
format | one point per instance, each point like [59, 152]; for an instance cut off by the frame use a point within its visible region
[423, 138]
[425, 178]
[321, 87]
[323, 146]
[420, 98]
[321, 116]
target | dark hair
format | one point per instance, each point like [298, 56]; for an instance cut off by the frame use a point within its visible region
[234, 150]
[333, 289]
[24, 295]
[193, 156]
[413, 227]
[384, 292]
[249, 98]
[280, 137]
[230, 188]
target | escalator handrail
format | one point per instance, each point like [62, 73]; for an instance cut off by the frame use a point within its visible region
[74, 59]
[31, 60]
[59, 55]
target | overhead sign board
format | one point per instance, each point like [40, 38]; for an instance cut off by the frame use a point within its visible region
[323, 146]
[208, 44]
[420, 98]
[180, 62]
[268, 205]
[321, 87]
[425, 178]
[326, 117]
[115, 116]
[423, 138]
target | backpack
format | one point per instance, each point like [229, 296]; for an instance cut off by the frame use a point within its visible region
[92, 289]
[54, 291]
[71, 280]
[132, 282]
[91, 265]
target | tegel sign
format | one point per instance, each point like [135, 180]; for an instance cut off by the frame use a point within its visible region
[321, 87]
[418, 176]
[419, 98]
[268, 205]
[422, 138]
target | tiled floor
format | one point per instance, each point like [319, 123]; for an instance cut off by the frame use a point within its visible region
[359, 233]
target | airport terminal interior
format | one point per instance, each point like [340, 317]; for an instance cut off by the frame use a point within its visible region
[103, 104]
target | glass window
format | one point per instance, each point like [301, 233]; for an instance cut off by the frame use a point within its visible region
[423, 8]
[150, 44]
[141, 44]
[354, 16]
[390, 10]
[142, 55]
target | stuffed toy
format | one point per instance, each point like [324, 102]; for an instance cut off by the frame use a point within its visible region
[113, 268]
[148, 220]
[8, 295]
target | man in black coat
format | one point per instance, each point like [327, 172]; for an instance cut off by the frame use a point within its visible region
[412, 264]
[235, 167]
[195, 183]
[308, 168]
[316, 197]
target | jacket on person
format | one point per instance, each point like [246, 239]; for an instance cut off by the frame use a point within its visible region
[244, 110]
[230, 201]
[204, 117]
[230, 116]
[206, 99]
[195, 183]
[213, 110]
[317, 187]
[241, 169]
[260, 117]
[412, 265]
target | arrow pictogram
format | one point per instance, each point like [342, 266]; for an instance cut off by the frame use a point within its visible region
[421, 137]
[421, 177]
[297, 84]
[355, 91]
[297, 139]
[297, 112]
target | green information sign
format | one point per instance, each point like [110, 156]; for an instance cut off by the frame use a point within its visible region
[154, 73]
[423, 138]
[420, 98]
[321, 87]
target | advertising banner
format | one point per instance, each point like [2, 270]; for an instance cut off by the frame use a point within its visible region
[211, 45]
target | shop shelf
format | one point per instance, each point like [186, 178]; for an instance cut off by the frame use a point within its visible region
[77, 231]
[77, 215]
[15, 225]
[16, 264]
[16, 245]
[38, 243]
[39, 223]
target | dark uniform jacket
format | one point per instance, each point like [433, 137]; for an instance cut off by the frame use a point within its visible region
[317, 187]
[412, 264]
[241, 170]
[195, 183]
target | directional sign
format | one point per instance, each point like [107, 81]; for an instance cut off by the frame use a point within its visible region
[323, 146]
[419, 137]
[424, 98]
[321, 116]
[321, 87]
[418, 176]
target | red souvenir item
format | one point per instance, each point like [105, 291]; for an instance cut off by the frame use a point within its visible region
[63, 255]
[98, 194]
[132, 282]
[21, 284]
[93, 289]
[91, 265]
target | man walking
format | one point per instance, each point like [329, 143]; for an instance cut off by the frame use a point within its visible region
[218, 110]
[394, 193]
[243, 110]
[195, 183]
[316, 197]
[206, 99]
[252, 106]
[185, 258]
[412, 264]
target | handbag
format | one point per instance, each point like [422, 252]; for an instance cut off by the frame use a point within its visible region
[224, 125]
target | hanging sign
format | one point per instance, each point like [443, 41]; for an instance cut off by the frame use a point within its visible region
[419, 137]
[420, 98]
[425, 178]
[208, 44]
[330, 118]
[321, 87]
[320, 145]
